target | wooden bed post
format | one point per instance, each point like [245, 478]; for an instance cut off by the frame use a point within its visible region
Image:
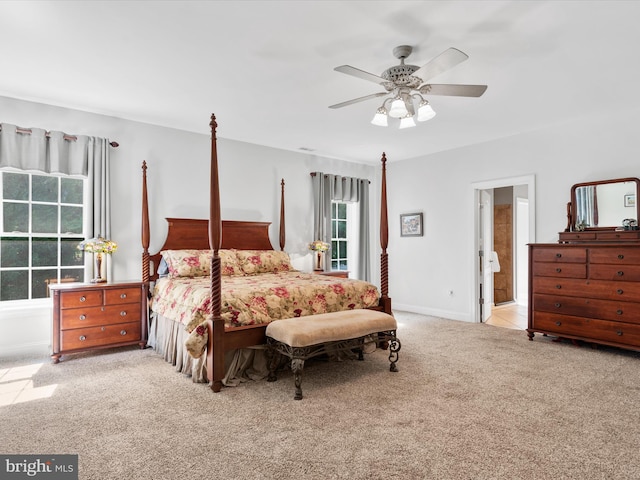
[282, 228]
[384, 239]
[215, 356]
[145, 225]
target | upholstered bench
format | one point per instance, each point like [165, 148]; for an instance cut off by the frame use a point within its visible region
[302, 338]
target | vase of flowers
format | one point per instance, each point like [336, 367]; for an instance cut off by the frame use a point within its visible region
[319, 247]
[98, 246]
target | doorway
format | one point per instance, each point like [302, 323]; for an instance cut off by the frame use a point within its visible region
[486, 259]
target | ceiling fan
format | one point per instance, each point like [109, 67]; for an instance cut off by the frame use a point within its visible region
[406, 84]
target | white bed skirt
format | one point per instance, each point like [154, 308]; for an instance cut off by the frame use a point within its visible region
[167, 338]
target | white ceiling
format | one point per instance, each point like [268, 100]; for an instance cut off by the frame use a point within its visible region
[265, 68]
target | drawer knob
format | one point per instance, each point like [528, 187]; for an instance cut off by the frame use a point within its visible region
[83, 298]
[620, 273]
[82, 338]
[123, 313]
[619, 291]
[620, 257]
[103, 329]
[123, 295]
[558, 305]
[558, 255]
[123, 332]
[619, 333]
[558, 270]
[619, 312]
[558, 323]
[558, 287]
[83, 317]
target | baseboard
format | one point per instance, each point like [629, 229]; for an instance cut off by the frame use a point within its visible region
[434, 312]
[25, 350]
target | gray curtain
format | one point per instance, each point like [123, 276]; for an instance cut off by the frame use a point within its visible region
[587, 207]
[56, 153]
[328, 188]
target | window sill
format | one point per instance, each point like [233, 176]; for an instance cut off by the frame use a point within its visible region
[18, 305]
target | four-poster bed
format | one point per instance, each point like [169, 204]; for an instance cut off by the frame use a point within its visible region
[244, 242]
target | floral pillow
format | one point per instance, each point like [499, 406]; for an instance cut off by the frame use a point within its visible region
[197, 263]
[253, 262]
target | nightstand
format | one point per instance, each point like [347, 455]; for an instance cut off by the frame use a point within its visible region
[333, 273]
[88, 316]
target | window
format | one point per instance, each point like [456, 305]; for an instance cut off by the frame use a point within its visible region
[42, 222]
[339, 240]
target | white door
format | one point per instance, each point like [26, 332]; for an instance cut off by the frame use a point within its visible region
[485, 243]
[522, 252]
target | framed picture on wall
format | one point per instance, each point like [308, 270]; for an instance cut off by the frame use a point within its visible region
[630, 200]
[411, 225]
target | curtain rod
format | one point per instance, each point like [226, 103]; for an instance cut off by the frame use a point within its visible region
[313, 174]
[71, 138]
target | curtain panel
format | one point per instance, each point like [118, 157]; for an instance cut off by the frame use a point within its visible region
[327, 188]
[54, 152]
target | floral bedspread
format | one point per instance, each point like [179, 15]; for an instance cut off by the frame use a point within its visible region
[255, 299]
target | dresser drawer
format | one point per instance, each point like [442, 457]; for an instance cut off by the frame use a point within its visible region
[626, 235]
[587, 328]
[603, 289]
[588, 307]
[122, 295]
[99, 336]
[615, 255]
[622, 273]
[567, 270]
[92, 316]
[81, 298]
[576, 236]
[560, 254]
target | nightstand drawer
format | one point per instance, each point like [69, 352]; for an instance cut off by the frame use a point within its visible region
[99, 336]
[92, 316]
[81, 298]
[122, 295]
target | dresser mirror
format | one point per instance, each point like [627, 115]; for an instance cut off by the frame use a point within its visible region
[605, 205]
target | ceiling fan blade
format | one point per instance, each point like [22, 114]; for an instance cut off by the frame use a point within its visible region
[443, 62]
[453, 90]
[356, 72]
[356, 100]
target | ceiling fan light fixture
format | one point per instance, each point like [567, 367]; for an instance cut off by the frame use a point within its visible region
[407, 122]
[398, 108]
[425, 111]
[380, 118]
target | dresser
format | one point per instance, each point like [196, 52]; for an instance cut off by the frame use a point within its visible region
[90, 316]
[588, 289]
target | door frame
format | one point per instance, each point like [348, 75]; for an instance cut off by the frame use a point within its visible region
[530, 182]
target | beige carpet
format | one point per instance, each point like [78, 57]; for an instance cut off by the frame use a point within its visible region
[470, 401]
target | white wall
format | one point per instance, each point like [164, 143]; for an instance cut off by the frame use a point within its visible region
[178, 184]
[423, 269]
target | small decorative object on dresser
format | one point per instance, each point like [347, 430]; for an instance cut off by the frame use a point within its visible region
[89, 316]
[318, 247]
[98, 246]
[587, 286]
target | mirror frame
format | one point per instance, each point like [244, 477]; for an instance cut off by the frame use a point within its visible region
[573, 213]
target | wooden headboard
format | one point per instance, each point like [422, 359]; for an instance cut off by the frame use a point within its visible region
[190, 233]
